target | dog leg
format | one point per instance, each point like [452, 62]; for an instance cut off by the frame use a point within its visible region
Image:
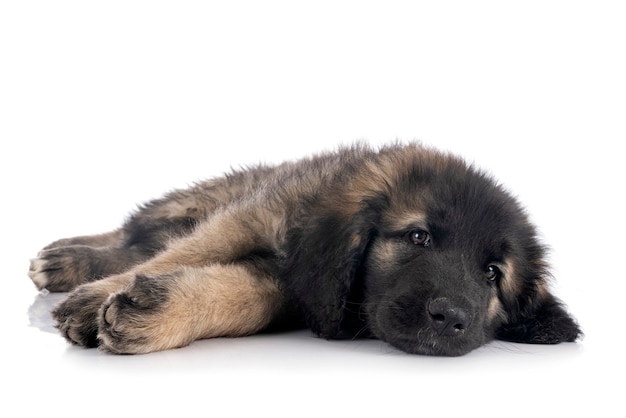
[61, 269]
[161, 312]
[113, 238]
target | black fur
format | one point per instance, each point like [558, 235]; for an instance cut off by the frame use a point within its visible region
[473, 222]
[547, 323]
[321, 268]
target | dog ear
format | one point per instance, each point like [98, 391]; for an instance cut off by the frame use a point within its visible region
[546, 322]
[324, 255]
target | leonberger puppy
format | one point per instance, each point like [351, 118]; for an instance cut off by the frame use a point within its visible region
[404, 243]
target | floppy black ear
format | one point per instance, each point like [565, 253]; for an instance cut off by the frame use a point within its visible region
[324, 255]
[546, 323]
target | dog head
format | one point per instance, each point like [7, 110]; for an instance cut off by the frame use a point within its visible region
[429, 255]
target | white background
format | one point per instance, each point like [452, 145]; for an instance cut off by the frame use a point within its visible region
[105, 105]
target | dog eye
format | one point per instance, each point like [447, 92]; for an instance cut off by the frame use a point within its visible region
[492, 273]
[420, 237]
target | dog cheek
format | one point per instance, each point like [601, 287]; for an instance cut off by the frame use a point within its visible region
[377, 314]
[496, 313]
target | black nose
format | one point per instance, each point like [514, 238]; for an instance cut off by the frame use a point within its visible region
[446, 318]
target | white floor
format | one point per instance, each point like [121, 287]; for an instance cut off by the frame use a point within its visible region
[103, 106]
[297, 374]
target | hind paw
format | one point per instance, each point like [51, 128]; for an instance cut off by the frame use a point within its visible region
[61, 269]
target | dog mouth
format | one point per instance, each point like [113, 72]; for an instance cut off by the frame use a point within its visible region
[424, 333]
[424, 343]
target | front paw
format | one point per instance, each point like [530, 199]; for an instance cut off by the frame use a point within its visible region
[77, 315]
[136, 321]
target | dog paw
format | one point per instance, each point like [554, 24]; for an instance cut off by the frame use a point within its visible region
[136, 320]
[38, 273]
[77, 315]
[61, 269]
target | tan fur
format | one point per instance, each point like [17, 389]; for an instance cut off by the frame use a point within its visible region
[384, 254]
[511, 286]
[99, 240]
[179, 208]
[222, 239]
[94, 295]
[205, 302]
[495, 310]
[402, 220]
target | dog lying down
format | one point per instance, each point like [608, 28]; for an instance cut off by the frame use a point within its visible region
[403, 243]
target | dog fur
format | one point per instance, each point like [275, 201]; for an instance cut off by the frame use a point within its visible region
[404, 243]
